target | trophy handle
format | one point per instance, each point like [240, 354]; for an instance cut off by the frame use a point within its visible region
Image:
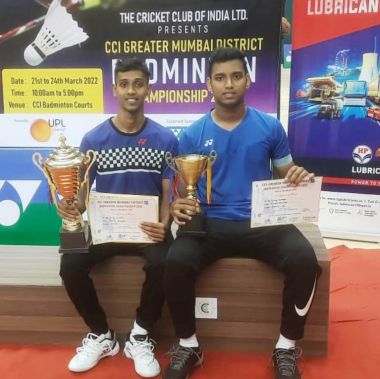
[170, 162]
[38, 162]
[212, 157]
[90, 160]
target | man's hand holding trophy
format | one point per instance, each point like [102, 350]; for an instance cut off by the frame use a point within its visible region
[189, 168]
[67, 171]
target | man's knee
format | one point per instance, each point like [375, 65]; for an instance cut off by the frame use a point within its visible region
[184, 260]
[302, 259]
[308, 267]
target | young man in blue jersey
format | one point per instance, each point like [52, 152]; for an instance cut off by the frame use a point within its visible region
[130, 160]
[247, 142]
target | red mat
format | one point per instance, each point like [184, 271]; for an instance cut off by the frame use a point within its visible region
[354, 331]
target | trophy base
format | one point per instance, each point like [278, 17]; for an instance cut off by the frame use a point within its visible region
[75, 241]
[193, 228]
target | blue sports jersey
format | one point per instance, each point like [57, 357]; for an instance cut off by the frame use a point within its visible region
[130, 163]
[244, 155]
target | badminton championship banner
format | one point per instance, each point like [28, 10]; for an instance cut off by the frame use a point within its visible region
[334, 113]
[57, 59]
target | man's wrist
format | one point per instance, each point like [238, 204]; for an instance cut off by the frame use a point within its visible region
[167, 224]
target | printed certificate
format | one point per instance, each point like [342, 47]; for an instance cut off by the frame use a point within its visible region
[274, 202]
[116, 218]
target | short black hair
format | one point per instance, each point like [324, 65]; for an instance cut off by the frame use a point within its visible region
[131, 64]
[225, 54]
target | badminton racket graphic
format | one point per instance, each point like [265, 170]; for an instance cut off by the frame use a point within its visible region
[33, 23]
[70, 5]
[21, 29]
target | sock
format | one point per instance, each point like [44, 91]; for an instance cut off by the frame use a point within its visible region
[285, 343]
[138, 330]
[189, 342]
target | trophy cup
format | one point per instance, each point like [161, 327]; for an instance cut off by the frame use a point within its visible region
[66, 170]
[189, 168]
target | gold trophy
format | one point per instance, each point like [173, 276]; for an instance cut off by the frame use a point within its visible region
[66, 170]
[189, 168]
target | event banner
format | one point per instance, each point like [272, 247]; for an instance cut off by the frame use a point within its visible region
[57, 59]
[334, 113]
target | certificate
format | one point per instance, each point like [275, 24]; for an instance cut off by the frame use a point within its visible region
[275, 202]
[116, 218]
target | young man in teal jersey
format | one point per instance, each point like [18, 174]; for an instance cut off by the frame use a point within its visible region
[248, 143]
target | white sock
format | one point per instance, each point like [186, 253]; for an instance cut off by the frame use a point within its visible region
[137, 329]
[285, 343]
[189, 342]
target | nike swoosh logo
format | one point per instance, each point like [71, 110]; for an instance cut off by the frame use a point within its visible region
[303, 311]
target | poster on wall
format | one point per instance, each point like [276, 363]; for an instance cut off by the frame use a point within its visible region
[63, 84]
[334, 112]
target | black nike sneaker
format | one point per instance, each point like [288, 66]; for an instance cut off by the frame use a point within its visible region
[285, 365]
[183, 361]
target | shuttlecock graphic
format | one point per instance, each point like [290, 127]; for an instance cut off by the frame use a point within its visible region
[58, 31]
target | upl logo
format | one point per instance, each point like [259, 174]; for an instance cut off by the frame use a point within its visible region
[15, 196]
[41, 129]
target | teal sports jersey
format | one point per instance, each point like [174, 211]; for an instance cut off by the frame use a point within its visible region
[244, 155]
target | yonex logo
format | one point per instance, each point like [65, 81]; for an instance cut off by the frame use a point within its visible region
[177, 131]
[15, 196]
[209, 142]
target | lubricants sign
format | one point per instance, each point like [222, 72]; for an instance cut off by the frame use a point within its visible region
[334, 111]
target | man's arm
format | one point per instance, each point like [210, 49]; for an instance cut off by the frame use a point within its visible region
[165, 217]
[157, 231]
[292, 173]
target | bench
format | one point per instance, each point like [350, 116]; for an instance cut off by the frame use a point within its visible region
[248, 295]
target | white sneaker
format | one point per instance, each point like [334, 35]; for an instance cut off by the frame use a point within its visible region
[140, 348]
[93, 349]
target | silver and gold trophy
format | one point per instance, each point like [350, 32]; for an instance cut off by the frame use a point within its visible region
[189, 168]
[67, 170]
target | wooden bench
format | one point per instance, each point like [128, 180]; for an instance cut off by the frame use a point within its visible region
[249, 296]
